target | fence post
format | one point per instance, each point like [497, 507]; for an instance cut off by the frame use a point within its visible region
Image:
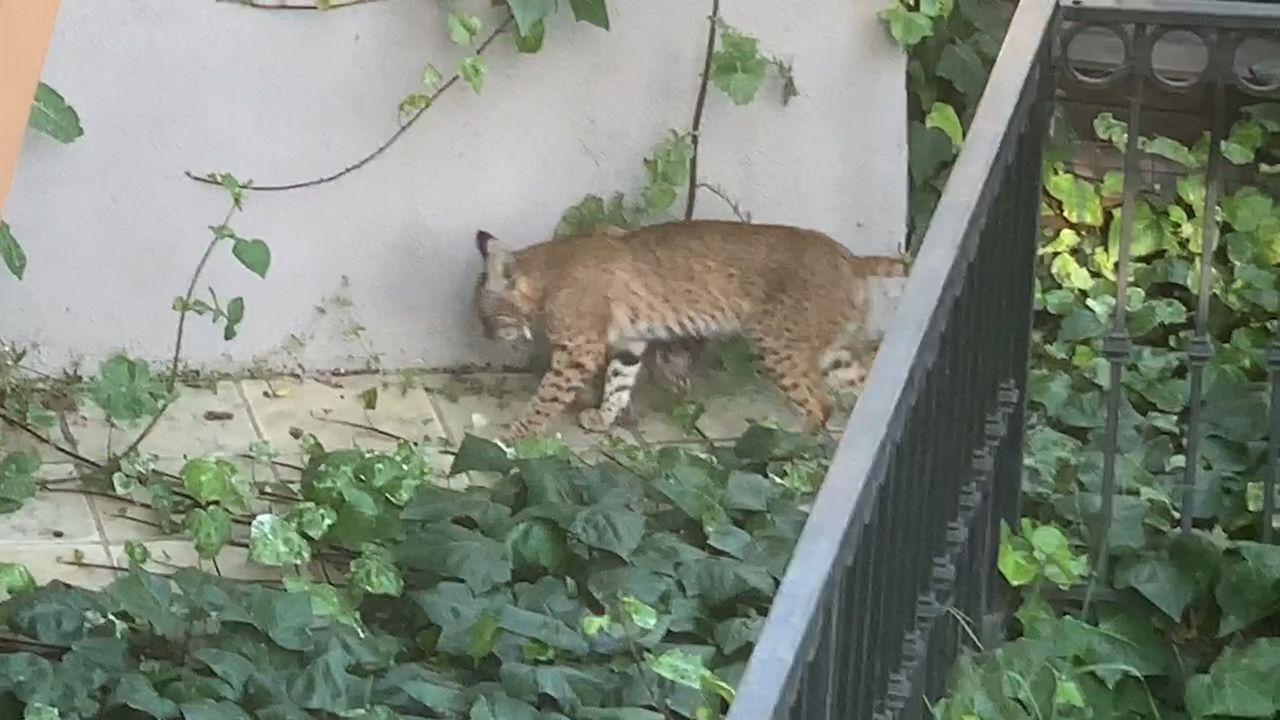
[25, 29]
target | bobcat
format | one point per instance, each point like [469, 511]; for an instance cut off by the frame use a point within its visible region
[603, 298]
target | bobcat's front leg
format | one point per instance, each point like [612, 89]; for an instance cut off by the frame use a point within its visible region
[572, 365]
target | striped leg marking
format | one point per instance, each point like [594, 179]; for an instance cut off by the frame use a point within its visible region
[620, 378]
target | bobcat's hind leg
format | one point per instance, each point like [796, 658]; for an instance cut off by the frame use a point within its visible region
[619, 379]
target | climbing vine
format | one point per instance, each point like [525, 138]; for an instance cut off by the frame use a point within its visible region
[951, 46]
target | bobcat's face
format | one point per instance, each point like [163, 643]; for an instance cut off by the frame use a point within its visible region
[505, 311]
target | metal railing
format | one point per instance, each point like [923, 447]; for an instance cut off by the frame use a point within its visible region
[904, 534]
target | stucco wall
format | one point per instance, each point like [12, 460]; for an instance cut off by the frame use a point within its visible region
[112, 228]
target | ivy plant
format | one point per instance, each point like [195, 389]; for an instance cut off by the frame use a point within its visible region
[1182, 624]
[632, 588]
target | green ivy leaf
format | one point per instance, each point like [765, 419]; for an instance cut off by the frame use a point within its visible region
[591, 11]
[1069, 273]
[930, 150]
[234, 314]
[1240, 683]
[591, 214]
[1081, 204]
[136, 691]
[485, 633]
[51, 115]
[529, 12]
[1159, 580]
[963, 68]
[1242, 145]
[17, 479]
[414, 104]
[375, 573]
[478, 454]
[749, 491]
[1081, 324]
[1060, 302]
[137, 553]
[417, 684]
[311, 519]
[499, 706]
[737, 67]
[1148, 232]
[217, 710]
[1108, 128]
[431, 77]
[458, 552]
[542, 627]
[615, 529]
[209, 530]
[273, 541]
[463, 28]
[679, 667]
[11, 252]
[1018, 566]
[537, 544]
[532, 42]
[1170, 150]
[1247, 209]
[907, 27]
[254, 254]
[628, 713]
[667, 169]
[15, 578]
[40, 711]
[126, 390]
[326, 685]
[214, 480]
[1250, 587]
[641, 615]
[943, 117]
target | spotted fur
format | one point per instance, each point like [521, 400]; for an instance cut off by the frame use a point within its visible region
[605, 299]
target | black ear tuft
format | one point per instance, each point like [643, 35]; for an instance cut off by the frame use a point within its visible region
[482, 242]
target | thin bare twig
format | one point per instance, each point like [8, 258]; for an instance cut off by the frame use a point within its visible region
[743, 215]
[264, 6]
[431, 100]
[361, 426]
[698, 107]
[277, 463]
[36, 434]
[182, 324]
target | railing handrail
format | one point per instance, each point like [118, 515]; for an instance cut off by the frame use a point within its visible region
[1228, 14]
[786, 639]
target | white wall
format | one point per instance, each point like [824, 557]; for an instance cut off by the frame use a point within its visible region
[112, 228]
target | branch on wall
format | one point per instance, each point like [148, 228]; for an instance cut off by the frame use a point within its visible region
[734, 205]
[386, 145]
[317, 5]
[698, 107]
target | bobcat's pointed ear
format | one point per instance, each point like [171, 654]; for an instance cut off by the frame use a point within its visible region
[483, 240]
[499, 265]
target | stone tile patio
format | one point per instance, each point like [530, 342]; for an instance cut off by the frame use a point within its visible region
[79, 538]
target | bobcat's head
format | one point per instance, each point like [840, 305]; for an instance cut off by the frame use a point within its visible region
[503, 299]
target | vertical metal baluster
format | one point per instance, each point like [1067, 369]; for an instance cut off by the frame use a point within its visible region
[876, 552]
[1200, 348]
[1116, 346]
[1273, 446]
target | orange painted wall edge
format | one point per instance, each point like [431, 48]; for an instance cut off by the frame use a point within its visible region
[26, 27]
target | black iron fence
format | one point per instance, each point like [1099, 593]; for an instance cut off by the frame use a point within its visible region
[903, 539]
